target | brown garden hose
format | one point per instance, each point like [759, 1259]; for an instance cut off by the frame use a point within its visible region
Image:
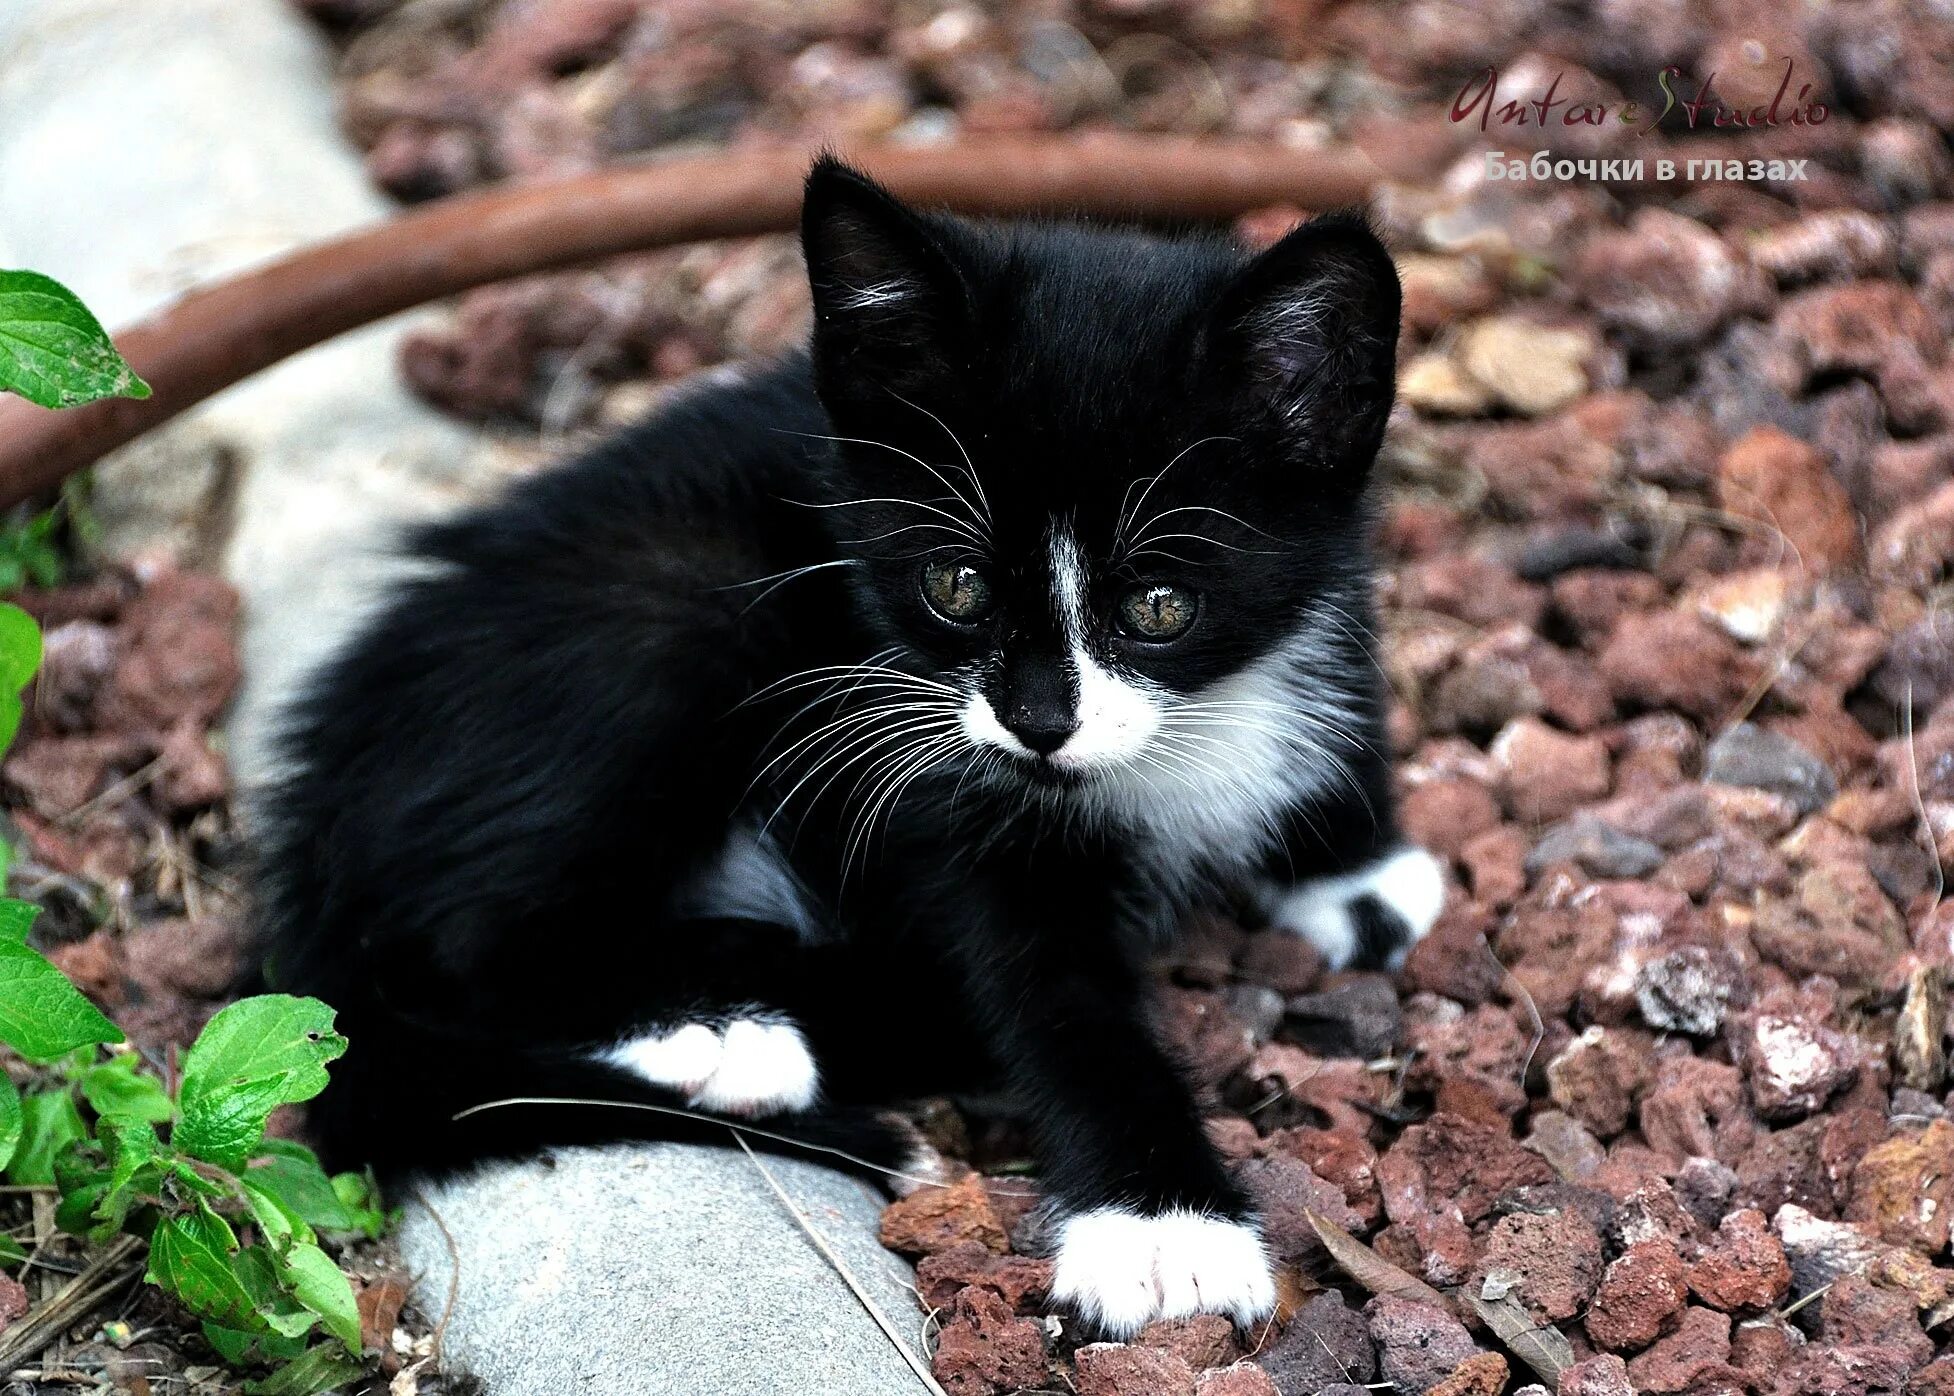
[230, 329]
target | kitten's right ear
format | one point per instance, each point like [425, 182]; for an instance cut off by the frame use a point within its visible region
[889, 303]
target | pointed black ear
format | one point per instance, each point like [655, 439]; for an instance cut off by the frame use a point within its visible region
[889, 302]
[1308, 334]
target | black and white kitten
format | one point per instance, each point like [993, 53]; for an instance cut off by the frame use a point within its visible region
[855, 728]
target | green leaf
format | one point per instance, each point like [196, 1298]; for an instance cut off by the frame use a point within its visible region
[12, 1123]
[281, 1226]
[227, 1126]
[322, 1287]
[302, 1188]
[323, 1368]
[254, 1056]
[20, 647]
[131, 1146]
[191, 1256]
[360, 1195]
[11, 1251]
[52, 351]
[42, 1015]
[49, 1123]
[121, 1086]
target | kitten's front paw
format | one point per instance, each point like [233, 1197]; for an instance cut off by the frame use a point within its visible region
[1370, 916]
[1122, 1270]
[747, 1067]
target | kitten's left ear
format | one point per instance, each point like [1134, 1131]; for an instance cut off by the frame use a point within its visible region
[1309, 332]
[889, 302]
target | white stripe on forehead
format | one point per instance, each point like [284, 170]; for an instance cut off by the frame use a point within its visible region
[1069, 589]
[1117, 715]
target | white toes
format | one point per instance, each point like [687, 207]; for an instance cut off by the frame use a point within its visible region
[1122, 1270]
[682, 1060]
[1409, 883]
[766, 1069]
[749, 1067]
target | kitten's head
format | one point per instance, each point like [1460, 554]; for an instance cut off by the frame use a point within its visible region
[1107, 488]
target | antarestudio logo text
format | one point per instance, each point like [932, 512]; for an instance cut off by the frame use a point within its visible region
[1480, 98]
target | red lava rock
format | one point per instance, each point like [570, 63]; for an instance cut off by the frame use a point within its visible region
[1606, 1375]
[1473, 589]
[1544, 774]
[1673, 659]
[1551, 1263]
[1857, 1313]
[1418, 1346]
[1458, 1165]
[937, 1218]
[202, 959]
[1495, 865]
[1784, 484]
[1641, 1293]
[1694, 1108]
[1283, 1189]
[1597, 1077]
[1286, 963]
[1444, 815]
[1701, 1342]
[1914, 547]
[13, 1301]
[1793, 1064]
[1116, 1369]
[1344, 1159]
[1477, 1055]
[181, 663]
[1743, 1267]
[983, 1349]
[1666, 280]
[1830, 1371]
[1203, 1341]
[1482, 1374]
[191, 776]
[1020, 1281]
[94, 964]
[1902, 1189]
[1324, 1344]
[1566, 1144]
[1211, 1040]
[1239, 1379]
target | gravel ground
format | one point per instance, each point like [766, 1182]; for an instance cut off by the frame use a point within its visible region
[116, 799]
[1662, 1104]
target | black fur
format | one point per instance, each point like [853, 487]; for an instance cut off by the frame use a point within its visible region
[501, 787]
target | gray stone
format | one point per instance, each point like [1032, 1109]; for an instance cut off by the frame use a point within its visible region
[659, 1270]
[1600, 848]
[1751, 756]
[1325, 1344]
[1688, 990]
[1360, 1018]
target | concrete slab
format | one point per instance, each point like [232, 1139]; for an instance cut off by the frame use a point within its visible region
[662, 1270]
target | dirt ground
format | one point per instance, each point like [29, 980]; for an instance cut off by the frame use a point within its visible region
[1662, 1105]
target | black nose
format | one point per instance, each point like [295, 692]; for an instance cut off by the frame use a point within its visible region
[1043, 732]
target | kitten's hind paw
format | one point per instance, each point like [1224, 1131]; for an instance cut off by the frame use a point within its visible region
[1372, 915]
[746, 1067]
[1121, 1270]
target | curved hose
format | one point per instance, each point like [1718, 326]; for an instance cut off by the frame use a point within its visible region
[225, 331]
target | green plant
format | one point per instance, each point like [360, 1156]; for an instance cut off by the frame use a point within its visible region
[233, 1219]
[52, 351]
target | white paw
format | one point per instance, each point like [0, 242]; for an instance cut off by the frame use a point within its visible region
[1121, 1270]
[1409, 884]
[749, 1066]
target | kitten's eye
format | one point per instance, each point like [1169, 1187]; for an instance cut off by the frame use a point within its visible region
[956, 591]
[1156, 611]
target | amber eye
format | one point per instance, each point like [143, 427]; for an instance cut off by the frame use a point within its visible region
[956, 591]
[1156, 611]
